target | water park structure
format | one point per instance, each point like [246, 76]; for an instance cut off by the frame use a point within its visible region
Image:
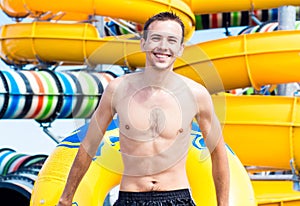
[260, 131]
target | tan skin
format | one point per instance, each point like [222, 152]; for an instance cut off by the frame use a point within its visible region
[155, 109]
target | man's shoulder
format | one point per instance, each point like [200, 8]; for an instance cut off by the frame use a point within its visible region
[118, 80]
[128, 76]
[192, 84]
[121, 83]
[198, 90]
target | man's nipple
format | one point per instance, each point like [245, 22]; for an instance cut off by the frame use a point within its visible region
[179, 131]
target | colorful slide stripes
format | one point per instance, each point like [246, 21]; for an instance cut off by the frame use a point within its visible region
[210, 21]
[18, 173]
[46, 95]
[236, 18]
[265, 27]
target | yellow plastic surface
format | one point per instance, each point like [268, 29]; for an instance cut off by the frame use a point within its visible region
[132, 10]
[119, 7]
[275, 193]
[227, 63]
[262, 130]
[253, 59]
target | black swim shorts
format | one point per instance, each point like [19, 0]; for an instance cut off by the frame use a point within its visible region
[155, 198]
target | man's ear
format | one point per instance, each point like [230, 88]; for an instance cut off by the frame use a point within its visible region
[142, 44]
[181, 50]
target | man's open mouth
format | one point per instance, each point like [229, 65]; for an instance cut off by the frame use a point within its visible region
[161, 55]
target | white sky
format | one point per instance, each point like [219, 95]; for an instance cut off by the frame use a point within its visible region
[26, 136]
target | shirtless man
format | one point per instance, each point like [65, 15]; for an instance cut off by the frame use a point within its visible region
[155, 110]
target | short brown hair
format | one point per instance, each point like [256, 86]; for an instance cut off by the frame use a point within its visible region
[163, 16]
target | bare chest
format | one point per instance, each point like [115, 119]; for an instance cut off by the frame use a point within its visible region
[152, 113]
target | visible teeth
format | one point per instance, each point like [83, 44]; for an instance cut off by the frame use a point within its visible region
[161, 55]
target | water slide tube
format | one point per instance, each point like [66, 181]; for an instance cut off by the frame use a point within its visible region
[254, 123]
[276, 193]
[123, 9]
[18, 173]
[266, 27]
[134, 10]
[235, 18]
[203, 62]
[104, 172]
[46, 95]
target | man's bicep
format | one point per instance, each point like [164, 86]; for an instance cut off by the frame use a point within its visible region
[211, 130]
[203, 119]
[209, 123]
[204, 112]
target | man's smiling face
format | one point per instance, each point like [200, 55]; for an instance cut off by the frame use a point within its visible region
[163, 44]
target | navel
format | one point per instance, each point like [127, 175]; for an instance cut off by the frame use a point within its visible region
[127, 127]
[154, 182]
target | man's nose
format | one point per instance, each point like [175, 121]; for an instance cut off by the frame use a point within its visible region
[163, 43]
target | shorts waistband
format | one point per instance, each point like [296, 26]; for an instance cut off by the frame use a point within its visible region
[155, 195]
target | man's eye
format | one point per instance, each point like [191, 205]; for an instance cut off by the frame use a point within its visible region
[173, 41]
[155, 38]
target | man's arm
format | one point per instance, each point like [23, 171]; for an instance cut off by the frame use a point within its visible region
[212, 133]
[87, 150]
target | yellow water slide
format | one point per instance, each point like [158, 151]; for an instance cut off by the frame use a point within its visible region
[133, 10]
[262, 130]
[276, 193]
[228, 63]
[118, 8]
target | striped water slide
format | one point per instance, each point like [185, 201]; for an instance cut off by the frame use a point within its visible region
[215, 20]
[265, 27]
[46, 95]
[18, 173]
[235, 18]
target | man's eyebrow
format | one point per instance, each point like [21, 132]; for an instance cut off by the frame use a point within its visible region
[155, 34]
[169, 36]
[173, 37]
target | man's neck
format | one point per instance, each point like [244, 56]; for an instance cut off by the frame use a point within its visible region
[157, 77]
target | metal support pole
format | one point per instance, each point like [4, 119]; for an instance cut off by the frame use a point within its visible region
[286, 18]
[286, 21]
[100, 27]
[295, 177]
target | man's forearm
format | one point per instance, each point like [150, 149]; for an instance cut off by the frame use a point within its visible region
[221, 175]
[80, 166]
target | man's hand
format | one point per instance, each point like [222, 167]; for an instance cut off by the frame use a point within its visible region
[63, 202]
[66, 203]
